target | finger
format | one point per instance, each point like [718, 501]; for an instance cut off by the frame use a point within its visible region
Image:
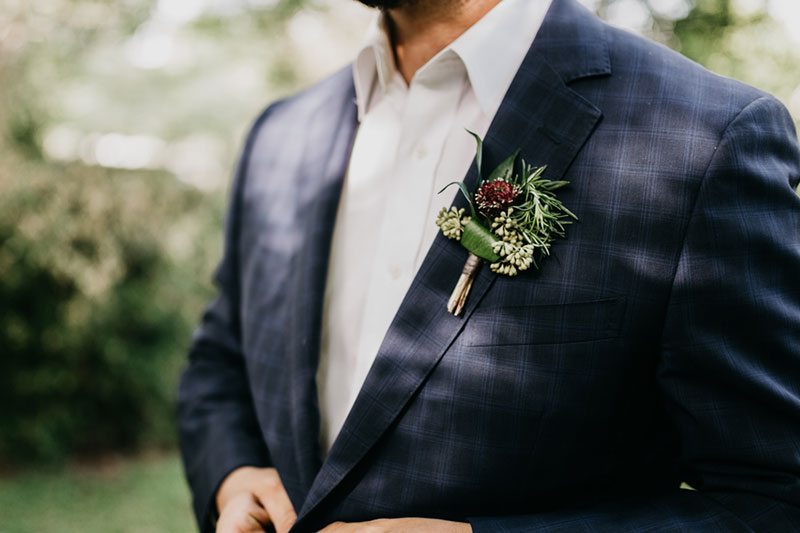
[281, 512]
[258, 515]
[278, 505]
[243, 514]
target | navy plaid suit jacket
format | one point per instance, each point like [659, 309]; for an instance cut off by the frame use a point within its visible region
[659, 343]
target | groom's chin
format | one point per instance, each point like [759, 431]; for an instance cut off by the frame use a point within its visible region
[386, 4]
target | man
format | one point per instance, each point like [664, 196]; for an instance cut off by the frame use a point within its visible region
[658, 344]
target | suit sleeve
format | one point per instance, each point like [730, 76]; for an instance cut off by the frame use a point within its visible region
[729, 370]
[217, 425]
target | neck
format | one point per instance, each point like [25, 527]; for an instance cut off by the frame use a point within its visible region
[420, 29]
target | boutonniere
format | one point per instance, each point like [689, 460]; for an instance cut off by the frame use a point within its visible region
[514, 216]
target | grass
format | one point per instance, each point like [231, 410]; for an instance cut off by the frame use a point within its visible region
[131, 495]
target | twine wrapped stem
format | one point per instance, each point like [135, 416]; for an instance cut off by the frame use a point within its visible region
[459, 296]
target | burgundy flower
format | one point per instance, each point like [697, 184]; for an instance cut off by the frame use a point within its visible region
[495, 196]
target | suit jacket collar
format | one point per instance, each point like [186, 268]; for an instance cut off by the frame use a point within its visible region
[540, 114]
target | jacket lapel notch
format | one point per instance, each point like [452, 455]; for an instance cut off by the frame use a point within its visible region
[574, 41]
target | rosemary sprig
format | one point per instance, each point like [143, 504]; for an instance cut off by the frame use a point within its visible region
[539, 215]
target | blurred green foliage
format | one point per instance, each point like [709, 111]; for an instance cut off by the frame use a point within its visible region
[105, 260]
[750, 46]
[100, 285]
[103, 271]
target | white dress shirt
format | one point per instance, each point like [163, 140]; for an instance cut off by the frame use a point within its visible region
[411, 142]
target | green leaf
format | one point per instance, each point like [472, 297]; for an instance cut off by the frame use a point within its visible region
[464, 191]
[478, 154]
[534, 176]
[553, 185]
[505, 169]
[479, 241]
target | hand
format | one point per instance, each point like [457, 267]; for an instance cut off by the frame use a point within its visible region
[399, 525]
[250, 498]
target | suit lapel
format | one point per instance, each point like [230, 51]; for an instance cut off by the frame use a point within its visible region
[550, 122]
[329, 135]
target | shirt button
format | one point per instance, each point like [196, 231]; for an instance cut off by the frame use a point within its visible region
[395, 272]
[422, 152]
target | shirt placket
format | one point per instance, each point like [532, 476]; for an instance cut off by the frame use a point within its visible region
[430, 108]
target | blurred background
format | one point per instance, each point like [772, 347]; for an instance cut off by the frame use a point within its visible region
[119, 127]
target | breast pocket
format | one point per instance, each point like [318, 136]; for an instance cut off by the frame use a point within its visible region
[578, 321]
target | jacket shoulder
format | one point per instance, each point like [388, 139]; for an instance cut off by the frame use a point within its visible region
[661, 77]
[297, 108]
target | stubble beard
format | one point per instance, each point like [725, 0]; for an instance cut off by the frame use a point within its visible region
[419, 8]
[389, 4]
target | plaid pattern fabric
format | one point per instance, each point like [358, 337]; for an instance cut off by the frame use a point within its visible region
[659, 343]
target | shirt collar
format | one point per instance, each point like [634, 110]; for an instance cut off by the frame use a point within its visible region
[494, 47]
[375, 59]
[491, 51]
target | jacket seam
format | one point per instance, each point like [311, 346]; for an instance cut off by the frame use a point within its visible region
[703, 180]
